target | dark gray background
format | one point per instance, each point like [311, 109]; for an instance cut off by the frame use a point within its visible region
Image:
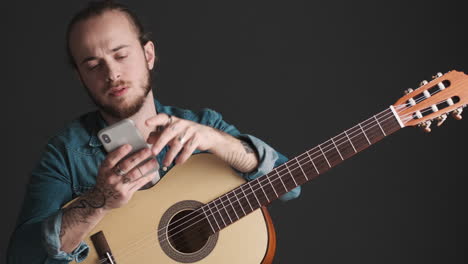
[293, 73]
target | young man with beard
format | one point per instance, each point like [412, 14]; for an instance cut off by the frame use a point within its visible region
[113, 58]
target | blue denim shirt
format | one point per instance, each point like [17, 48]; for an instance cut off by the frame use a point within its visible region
[68, 168]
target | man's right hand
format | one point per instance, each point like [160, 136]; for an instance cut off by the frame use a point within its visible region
[119, 177]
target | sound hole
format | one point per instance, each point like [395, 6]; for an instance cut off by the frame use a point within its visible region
[188, 231]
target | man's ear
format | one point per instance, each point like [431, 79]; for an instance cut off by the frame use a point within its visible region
[150, 55]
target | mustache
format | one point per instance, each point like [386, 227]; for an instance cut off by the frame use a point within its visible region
[116, 84]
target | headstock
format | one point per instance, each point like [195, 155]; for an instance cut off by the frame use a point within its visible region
[433, 101]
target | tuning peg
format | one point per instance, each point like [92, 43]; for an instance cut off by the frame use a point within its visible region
[409, 90]
[441, 119]
[439, 74]
[457, 113]
[426, 126]
[424, 82]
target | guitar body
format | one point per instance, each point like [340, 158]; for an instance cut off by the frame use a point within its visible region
[132, 231]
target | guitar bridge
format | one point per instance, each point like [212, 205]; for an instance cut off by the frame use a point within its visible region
[102, 248]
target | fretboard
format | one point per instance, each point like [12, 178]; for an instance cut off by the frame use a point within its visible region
[250, 196]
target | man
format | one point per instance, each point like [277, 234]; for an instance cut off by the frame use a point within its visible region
[113, 58]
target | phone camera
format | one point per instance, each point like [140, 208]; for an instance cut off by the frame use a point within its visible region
[106, 138]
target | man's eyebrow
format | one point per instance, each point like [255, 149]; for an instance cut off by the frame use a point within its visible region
[119, 47]
[113, 50]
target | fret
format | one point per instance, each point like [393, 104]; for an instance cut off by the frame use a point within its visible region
[281, 180]
[227, 208]
[253, 192]
[337, 149]
[355, 151]
[380, 125]
[220, 212]
[324, 156]
[263, 190]
[232, 205]
[246, 198]
[344, 146]
[364, 133]
[297, 174]
[239, 198]
[319, 160]
[292, 176]
[373, 131]
[272, 186]
[239, 205]
[357, 137]
[214, 216]
[300, 166]
[208, 219]
[313, 163]
[269, 188]
[278, 184]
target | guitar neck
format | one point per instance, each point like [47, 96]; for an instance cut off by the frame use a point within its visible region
[252, 195]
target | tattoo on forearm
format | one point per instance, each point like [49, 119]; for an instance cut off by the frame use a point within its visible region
[80, 211]
[247, 147]
[240, 161]
[243, 159]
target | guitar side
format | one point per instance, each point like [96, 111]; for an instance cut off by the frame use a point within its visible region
[132, 231]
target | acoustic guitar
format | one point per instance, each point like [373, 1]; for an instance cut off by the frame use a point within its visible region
[203, 212]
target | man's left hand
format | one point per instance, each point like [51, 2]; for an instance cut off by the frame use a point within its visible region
[183, 137]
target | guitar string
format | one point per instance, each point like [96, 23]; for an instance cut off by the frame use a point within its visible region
[229, 199]
[121, 253]
[223, 203]
[217, 210]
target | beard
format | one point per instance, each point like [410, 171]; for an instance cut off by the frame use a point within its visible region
[126, 111]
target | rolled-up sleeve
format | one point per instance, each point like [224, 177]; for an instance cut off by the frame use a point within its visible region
[36, 238]
[268, 157]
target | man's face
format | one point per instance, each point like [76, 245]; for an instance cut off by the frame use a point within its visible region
[111, 63]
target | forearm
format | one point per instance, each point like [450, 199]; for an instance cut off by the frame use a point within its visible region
[80, 217]
[236, 152]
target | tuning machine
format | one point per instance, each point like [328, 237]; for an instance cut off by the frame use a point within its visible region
[457, 113]
[409, 90]
[441, 119]
[424, 82]
[426, 126]
[439, 74]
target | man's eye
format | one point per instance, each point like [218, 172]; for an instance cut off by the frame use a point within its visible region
[121, 57]
[92, 67]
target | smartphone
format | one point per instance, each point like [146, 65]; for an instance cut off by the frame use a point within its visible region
[125, 132]
[120, 133]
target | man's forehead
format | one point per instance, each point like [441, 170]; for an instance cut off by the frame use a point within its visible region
[108, 30]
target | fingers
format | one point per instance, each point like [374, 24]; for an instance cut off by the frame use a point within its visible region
[134, 159]
[177, 144]
[142, 174]
[167, 135]
[160, 120]
[189, 148]
[115, 156]
[178, 134]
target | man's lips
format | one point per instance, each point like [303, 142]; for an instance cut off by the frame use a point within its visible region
[118, 91]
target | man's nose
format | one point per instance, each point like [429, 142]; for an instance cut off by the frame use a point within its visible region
[113, 73]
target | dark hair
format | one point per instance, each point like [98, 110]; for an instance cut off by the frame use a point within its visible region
[95, 8]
